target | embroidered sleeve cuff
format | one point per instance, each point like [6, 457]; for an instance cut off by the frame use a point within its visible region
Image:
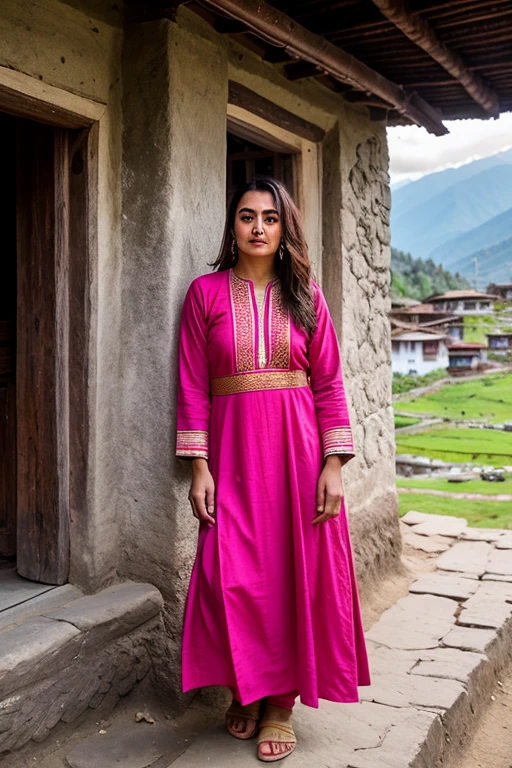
[192, 443]
[338, 440]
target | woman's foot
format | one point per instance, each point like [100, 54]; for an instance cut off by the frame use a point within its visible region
[276, 738]
[242, 722]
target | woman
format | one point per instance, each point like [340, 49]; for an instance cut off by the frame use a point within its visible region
[273, 609]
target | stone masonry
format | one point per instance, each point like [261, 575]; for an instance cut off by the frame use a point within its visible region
[84, 653]
[366, 347]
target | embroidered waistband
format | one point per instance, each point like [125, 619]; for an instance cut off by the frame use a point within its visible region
[258, 380]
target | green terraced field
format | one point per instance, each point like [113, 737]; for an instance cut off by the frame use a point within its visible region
[405, 421]
[487, 399]
[478, 446]
[471, 486]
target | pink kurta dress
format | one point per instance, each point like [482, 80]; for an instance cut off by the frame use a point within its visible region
[273, 604]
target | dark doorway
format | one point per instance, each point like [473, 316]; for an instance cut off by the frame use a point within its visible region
[45, 207]
[246, 157]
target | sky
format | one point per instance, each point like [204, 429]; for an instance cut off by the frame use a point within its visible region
[413, 152]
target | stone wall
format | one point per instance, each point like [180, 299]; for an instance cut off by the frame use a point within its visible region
[356, 269]
[366, 345]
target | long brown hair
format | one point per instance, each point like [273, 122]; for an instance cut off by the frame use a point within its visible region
[294, 270]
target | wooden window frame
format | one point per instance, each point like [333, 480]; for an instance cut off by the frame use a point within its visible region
[306, 158]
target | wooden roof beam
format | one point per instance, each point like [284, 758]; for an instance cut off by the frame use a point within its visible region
[421, 33]
[278, 29]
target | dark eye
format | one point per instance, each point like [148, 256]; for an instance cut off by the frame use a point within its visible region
[271, 219]
[246, 218]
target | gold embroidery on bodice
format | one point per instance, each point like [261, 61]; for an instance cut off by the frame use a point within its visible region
[249, 316]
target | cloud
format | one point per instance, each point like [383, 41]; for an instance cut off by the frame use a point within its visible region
[414, 152]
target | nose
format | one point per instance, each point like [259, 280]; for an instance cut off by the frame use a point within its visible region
[258, 228]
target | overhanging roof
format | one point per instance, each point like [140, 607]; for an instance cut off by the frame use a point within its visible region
[416, 62]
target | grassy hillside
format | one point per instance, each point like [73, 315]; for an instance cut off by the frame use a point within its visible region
[477, 326]
[479, 514]
[468, 399]
[459, 444]
[470, 486]
[486, 399]
[404, 382]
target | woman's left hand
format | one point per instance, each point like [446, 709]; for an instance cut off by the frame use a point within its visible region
[329, 490]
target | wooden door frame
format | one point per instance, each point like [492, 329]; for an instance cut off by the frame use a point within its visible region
[76, 251]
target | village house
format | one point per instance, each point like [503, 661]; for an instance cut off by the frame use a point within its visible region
[499, 342]
[427, 316]
[463, 302]
[124, 127]
[416, 349]
[465, 356]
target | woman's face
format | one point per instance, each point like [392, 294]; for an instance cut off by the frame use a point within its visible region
[257, 225]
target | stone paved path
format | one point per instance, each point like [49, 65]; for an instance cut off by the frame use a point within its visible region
[435, 656]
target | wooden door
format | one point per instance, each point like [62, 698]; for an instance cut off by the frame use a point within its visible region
[42, 352]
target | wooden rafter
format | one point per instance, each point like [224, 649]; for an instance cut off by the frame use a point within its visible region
[421, 33]
[278, 29]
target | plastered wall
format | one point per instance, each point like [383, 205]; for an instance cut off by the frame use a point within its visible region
[161, 212]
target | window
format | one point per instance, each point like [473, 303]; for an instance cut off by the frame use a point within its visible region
[246, 158]
[430, 349]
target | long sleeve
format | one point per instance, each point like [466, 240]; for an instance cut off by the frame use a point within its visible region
[326, 379]
[193, 401]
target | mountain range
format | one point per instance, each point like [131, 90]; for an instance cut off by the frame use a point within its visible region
[459, 215]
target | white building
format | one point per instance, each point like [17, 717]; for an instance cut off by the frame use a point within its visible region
[418, 351]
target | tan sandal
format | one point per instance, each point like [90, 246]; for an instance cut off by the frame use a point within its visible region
[242, 722]
[276, 738]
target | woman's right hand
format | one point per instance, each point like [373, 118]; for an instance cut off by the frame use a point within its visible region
[202, 492]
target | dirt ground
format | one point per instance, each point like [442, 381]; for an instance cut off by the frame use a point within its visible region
[491, 745]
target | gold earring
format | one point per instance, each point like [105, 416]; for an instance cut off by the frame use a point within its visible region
[281, 251]
[233, 246]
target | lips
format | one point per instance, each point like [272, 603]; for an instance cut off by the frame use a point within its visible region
[262, 242]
